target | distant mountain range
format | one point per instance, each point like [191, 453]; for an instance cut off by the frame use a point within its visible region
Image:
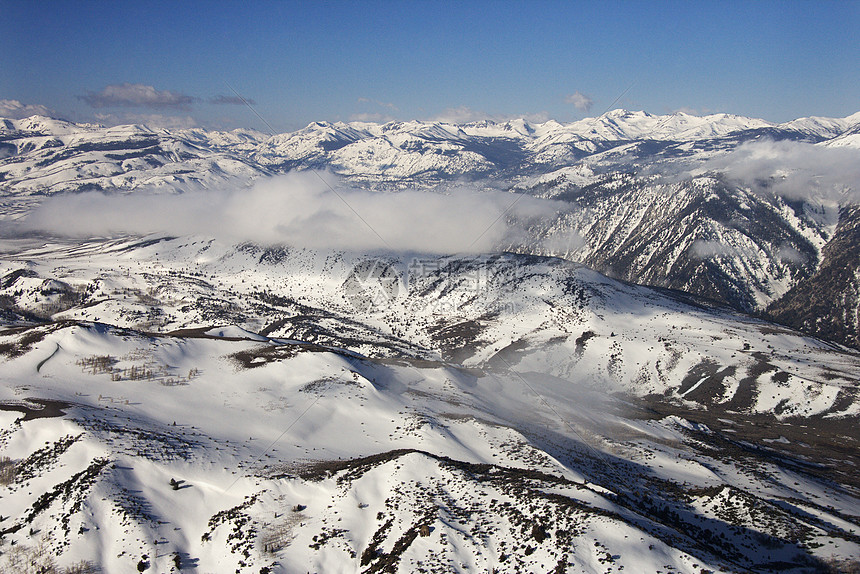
[654, 201]
[44, 155]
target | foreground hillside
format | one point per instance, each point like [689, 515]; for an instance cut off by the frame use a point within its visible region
[184, 404]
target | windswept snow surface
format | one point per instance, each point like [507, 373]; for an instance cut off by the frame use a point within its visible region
[508, 412]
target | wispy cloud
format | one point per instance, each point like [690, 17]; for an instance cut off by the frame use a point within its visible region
[16, 110]
[300, 210]
[461, 115]
[230, 100]
[379, 103]
[383, 112]
[708, 249]
[788, 254]
[137, 95]
[579, 100]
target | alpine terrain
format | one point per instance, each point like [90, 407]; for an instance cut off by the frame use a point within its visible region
[623, 344]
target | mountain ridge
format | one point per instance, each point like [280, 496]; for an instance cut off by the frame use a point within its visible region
[510, 412]
[629, 176]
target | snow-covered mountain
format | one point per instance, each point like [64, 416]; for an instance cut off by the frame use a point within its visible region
[593, 396]
[183, 404]
[828, 301]
[179, 403]
[661, 200]
[706, 235]
[43, 155]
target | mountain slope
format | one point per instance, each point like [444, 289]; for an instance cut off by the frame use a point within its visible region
[507, 311]
[187, 404]
[810, 304]
[657, 200]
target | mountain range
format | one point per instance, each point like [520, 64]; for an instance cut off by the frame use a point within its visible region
[657, 200]
[85, 156]
[656, 371]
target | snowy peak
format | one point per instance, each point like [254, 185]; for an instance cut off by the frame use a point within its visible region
[825, 128]
[617, 124]
[311, 142]
[626, 125]
[45, 126]
[416, 150]
[610, 165]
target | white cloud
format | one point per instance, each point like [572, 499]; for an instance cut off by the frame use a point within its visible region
[137, 95]
[379, 103]
[460, 115]
[382, 116]
[707, 249]
[300, 210]
[694, 111]
[788, 254]
[579, 100]
[15, 110]
[793, 169]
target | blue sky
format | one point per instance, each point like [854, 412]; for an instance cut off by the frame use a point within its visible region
[305, 61]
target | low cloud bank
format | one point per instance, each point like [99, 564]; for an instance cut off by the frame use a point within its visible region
[301, 210]
[795, 170]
